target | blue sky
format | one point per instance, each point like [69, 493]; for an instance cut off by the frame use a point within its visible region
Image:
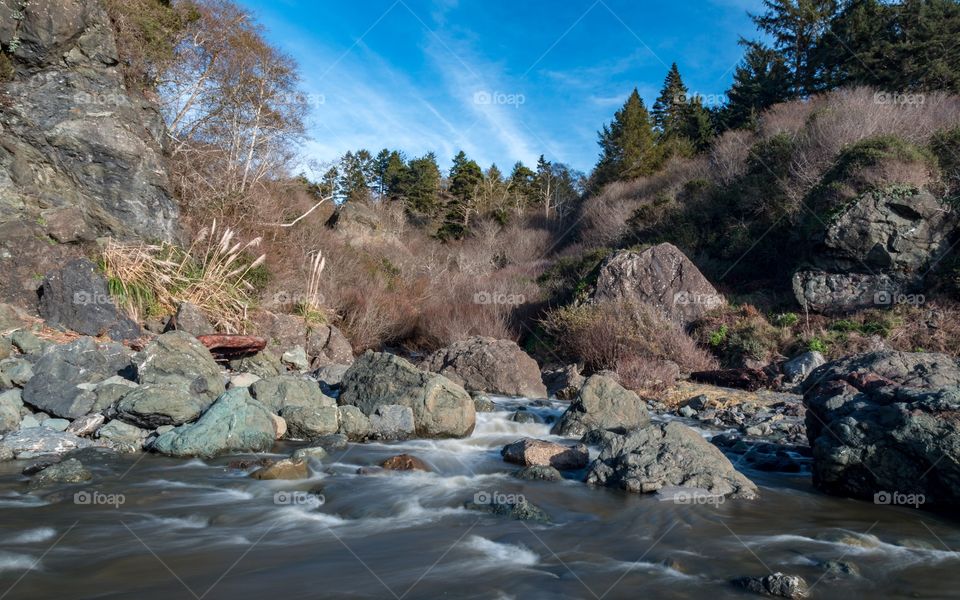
[501, 80]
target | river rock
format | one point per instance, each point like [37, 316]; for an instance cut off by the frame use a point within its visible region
[661, 276]
[76, 297]
[405, 462]
[11, 404]
[440, 407]
[306, 422]
[356, 425]
[234, 423]
[242, 380]
[56, 424]
[27, 343]
[34, 441]
[288, 468]
[276, 393]
[528, 451]
[70, 470]
[602, 404]
[296, 359]
[15, 372]
[332, 442]
[886, 423]
[539, 473]
[314, 452]
[525, 416]
[189, 319]
[86, 425]
[514, 506]
[667, 454]
[123, 437]
[264, 364]
[279, 427]
[482, 402]
[776, 584]
[57, 386]
[326, 345]
[564, 383]
[108, 392]
[177, 359]
[392, 422]
[150, 406]
[330, 377]
[489, 365]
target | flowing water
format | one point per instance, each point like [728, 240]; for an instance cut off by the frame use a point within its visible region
[155, 527]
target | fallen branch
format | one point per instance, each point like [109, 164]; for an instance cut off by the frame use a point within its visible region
[304, 215]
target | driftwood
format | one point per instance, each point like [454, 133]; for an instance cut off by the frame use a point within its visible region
[230, 346]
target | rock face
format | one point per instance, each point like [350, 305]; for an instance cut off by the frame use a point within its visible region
[667, 455]
[76, 297]
[234, 423]
[661, 276]
[602, 404]
[484, 364]
[323, 344]
[531, 452]
[78, 151]
[62, 372]
[189, 319]
[875, 250]
[440, 407]
[886, 423]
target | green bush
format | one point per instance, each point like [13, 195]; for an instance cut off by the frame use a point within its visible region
[946, 147]
[6, 68]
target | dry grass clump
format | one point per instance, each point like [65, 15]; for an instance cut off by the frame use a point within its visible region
[215, 273]
[636, 339]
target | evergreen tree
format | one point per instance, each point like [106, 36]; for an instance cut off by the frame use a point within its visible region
[798, 28]
[627, 145]
[522, 187]
[423, 186]
[761, 80]
[465, 179]
[670, 110]
[379, 169]
[354, 177]
[396, 176]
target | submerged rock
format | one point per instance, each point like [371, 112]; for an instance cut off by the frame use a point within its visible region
[288, 468]
[667, 454]
[234, 423]
[539, 473]
[602, 404]
[482, 402]
[440, 407]
[514, 506]
[776, 584]
[484, 364]
[405, 462]
[529, 451]
[70, 470]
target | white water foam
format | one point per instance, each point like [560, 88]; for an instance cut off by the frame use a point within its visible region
[502, 555]
[17, 562]
[32, 536]
[864, 544]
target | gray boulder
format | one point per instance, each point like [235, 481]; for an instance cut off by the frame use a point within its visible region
[308, 422]
[392, 422]
[327, 345]
[667, 455]
[489, 365]
[796, 369]
[531, 452]
[189, 319]
[151, 406]
[87, 425]
[824, 292]
[356, 425]
[884, 425]
[177, 359]
[15, 372]
[661, 276]
[276, 393]
[775, 584]
[76, 297]
[234, 423]
[564, 383]
[602, 404]
[11, 404]
[263, 364]
[28, 343]
[61, 372]
[296, 359]
[440, 407]
[35, 441]
[482, 402]
[122, 437]
[330, 377]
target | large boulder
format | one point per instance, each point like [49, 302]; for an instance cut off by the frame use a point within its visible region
[667, 455]
[886, 425]
[76, 297]
[60, 386]
[876, 250]
[440, 407]
[309, 422]
[153, 406]
[277, 393]
[602, 404]
[661, 276]
[234, 423]
[177, 359]
[190, 319]
[489, 365]
[531, 452]
[327, 345]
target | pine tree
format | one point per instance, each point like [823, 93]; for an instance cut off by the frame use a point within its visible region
[465, 179]
[354, 177]
[761, 80]
[670, 110]
[522, 187]
[627, 145]
[797, 28]
[396, 177]
[423, 187]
